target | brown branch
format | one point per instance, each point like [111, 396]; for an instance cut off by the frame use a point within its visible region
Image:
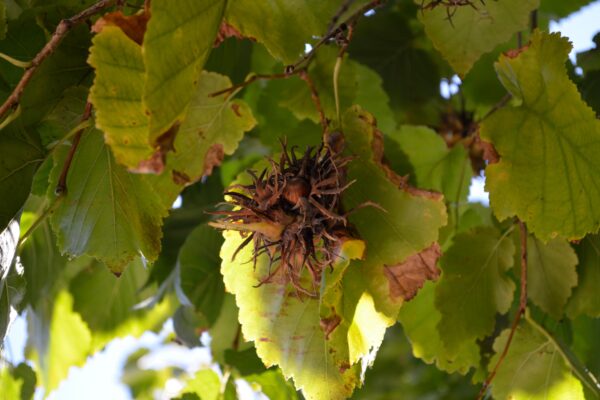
[315, 98]
[334, 32]
[61, 186]
[250, 80]
[503, 101]
[520, 312]
[59, 34]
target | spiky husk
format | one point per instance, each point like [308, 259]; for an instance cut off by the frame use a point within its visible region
[292, 213]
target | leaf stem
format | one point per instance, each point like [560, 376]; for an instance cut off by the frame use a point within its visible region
[61, 186]
[63, 28]
[37, 223]
[520, 312]
[576, 366]
[315, 98]
[15, 62]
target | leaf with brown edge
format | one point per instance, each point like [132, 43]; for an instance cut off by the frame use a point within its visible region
[227, 30]
[408, 277]
[213, 158]
[134, 26]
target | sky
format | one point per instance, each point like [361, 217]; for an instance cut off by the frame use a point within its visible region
[99, 379]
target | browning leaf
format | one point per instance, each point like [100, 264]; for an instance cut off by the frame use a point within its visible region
[213, 158]
[405, 279]
[226, 31]
[134, 26]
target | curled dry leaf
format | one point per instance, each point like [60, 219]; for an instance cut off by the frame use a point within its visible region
[134, 26]
[405, 279]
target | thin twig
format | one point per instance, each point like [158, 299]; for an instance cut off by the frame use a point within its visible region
[336, 70]
[520, 312]
[61, 186]
[333, 32]
[497, 106]
[315, 98]
[250, 80]
[534, 20]
[59, 34]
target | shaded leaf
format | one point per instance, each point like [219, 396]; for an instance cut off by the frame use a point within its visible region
[435, 166]
[547, 144]
[534, 368]
[420, 318]
[105, 301]
[473, 31]
[199, 275]
[551, 274]
[19, 159]
[178, 39]
[25, 374]
[386, 43]
[474, 286]
[585, 299]
[290, 25]
[107, 212]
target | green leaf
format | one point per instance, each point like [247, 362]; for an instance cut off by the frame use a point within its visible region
[285, 329]
[117, 95]
[177, 43]
[213, 128]
[107, 212]
[435, 166]
[547, 145]
[585, 299]
[470, 31]
[411, 219]
[199, 276]
[371, 96]
[295, 95]
[551, 274]
[19, 159]
[64, 116]
[386, 43]
[11, 386]
[534, 368]
[26, 375]
[420, 318]
[105, 301]
[290, 24]
[474, 286]
[69, 343]
[2, 20]
[273, 385]
[559, 8]
[206, 384]
[42, 262]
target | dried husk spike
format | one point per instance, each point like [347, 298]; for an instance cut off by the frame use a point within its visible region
[292, 213]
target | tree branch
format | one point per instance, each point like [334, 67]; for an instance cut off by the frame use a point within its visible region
[59, 34]
[520, 312]
[335, 31]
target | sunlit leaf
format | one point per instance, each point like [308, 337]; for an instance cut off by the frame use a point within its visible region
[547, 144]
[534, 368]
[117, 95]
[11, 386]
[177, 42]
